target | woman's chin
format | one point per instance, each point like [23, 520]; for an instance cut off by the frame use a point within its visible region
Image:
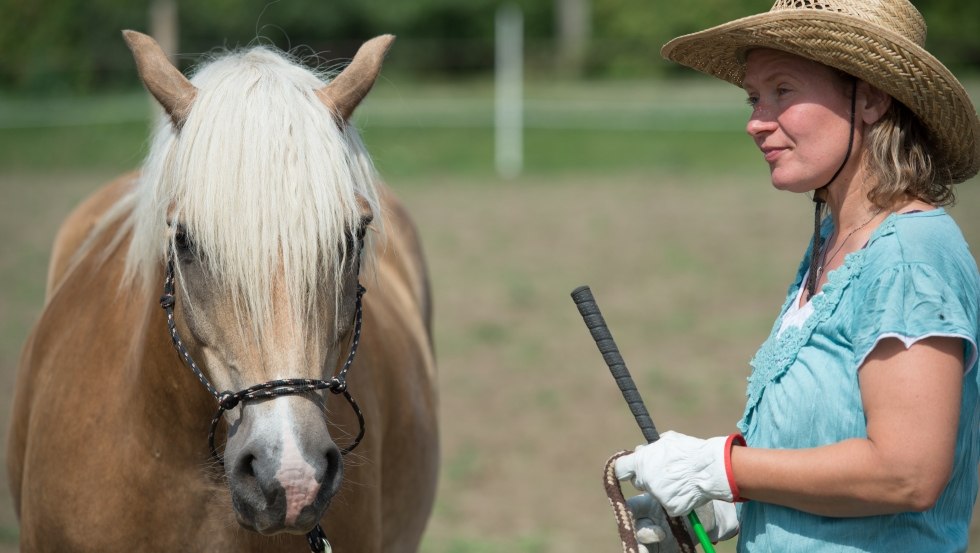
[789, 184]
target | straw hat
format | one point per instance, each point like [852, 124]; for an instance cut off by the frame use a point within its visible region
[878, 41]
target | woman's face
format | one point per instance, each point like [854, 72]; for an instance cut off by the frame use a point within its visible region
[800, 118]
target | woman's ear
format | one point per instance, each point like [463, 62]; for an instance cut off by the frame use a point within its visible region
[872, 103]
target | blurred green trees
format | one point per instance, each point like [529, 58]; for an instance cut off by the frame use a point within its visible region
[60, 46]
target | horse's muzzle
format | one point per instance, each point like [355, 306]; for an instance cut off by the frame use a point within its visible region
[281, 482]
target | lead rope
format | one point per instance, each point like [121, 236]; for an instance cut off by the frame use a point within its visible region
[273, 388]
[624, 518]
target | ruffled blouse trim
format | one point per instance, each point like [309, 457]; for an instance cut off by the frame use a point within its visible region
[778, 353]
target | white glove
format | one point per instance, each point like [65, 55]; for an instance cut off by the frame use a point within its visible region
[681, 472]
[719, 518]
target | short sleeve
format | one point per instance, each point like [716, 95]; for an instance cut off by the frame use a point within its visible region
[911, 301]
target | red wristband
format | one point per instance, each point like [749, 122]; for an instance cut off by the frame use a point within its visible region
[735, 439]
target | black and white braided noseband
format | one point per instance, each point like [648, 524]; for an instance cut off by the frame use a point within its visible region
[228, 400]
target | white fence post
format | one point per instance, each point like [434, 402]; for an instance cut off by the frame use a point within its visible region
[164, 29]
[509, 85]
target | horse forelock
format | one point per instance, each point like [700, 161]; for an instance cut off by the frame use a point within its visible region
[264, 180]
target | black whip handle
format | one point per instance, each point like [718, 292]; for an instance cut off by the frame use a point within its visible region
[587, 306]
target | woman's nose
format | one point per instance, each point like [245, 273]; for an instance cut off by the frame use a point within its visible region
[760, 122]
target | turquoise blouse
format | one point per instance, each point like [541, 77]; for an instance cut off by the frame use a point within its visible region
[915, 278]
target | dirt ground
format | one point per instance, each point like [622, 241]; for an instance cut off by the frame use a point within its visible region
[689, 274]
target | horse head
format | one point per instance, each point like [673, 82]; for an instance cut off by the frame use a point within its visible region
[259, 196]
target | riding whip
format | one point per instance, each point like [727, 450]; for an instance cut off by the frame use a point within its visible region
[587, 307]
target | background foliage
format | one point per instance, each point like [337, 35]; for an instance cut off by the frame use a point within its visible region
[58, 46]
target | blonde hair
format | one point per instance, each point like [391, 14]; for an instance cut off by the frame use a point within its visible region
[262, 176]
[901, 157]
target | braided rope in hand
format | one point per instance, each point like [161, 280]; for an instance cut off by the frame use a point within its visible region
[624, 518]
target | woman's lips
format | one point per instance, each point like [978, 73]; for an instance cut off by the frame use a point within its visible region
[772, 153]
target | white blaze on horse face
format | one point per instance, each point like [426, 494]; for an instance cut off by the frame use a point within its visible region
[296, 476]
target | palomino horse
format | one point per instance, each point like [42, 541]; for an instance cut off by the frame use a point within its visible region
[251, 214]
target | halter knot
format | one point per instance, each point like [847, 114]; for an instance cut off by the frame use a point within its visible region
[167, 301]
[338, 386]
[228, 401]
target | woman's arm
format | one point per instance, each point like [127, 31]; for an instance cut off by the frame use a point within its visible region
[911, 400]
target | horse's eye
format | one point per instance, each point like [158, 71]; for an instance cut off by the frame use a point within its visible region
[362, 227]
[353, 244]
[181, 241]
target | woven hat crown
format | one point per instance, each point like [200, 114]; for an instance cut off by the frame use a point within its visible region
[899, 17]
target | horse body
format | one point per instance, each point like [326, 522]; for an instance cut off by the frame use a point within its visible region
[107, 447]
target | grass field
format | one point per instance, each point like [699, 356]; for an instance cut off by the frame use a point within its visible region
[663, 208]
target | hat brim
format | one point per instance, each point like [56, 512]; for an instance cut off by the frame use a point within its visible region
[882, 58]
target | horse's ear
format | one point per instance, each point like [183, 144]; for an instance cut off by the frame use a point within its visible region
[347, 89]
[166, 83]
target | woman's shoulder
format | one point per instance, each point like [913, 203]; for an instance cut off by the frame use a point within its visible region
[930, 237]
[921, 245]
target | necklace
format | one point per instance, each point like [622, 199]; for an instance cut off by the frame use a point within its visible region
[824, 258]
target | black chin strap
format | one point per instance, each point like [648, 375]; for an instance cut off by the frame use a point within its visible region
[819, 201]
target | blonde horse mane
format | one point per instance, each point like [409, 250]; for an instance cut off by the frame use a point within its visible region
[264, 178]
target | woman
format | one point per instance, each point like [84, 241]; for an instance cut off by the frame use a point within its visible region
[862, 427]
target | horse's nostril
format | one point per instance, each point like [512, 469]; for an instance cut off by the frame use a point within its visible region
[334, 470]
[333, 456]
[246, 466]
